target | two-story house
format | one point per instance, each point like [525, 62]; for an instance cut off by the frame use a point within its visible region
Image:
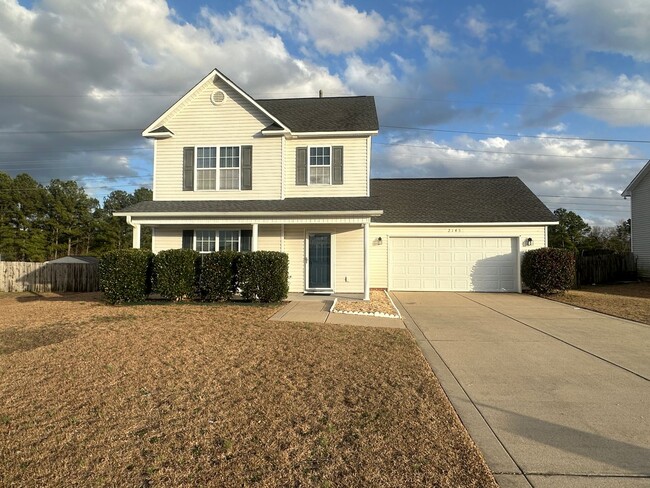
[293, 175]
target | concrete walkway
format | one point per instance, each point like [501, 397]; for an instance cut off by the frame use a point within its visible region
[554, 396]
[317, 309]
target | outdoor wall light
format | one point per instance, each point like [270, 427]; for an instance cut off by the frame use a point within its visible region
[379, 241]
[529, 241]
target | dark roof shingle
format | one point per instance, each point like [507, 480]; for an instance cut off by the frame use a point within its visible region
[328, 114]
[319, 204]
[457, 200]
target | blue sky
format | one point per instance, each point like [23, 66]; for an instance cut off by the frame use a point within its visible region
[458, 85]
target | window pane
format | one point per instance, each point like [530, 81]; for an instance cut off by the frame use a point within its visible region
[205, 240]
[206, 179]
[228, 240]
[319, 175]
[206, 157]
[319, 156]
[229, 157]
[229, 179]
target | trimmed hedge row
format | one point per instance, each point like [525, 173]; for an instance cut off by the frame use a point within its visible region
[129, 275]
[548, 270]
[125, 275]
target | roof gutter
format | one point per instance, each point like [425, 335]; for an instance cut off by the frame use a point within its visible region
[316, 213]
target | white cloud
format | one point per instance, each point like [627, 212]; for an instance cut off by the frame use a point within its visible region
[541, 89]
[338, 28]
[436, 40]
[547, 166]
[619, 26]
[623, 102]
[475, 23]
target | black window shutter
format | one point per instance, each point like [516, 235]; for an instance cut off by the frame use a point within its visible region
[247, 167]
[337, 165]
[246, 240]
[301, 166]
[188, 169]
[188, 239]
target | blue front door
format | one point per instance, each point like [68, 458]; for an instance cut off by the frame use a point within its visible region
[320, 261]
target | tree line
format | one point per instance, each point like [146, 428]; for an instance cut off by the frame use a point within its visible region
[44, 222]
[575, 234]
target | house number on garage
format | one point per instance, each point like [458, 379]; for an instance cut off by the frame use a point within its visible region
[453, 230]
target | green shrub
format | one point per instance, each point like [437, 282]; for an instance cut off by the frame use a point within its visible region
[548, 270]
[125, 275]
[263, 276]
[217, 275]
[175, 273]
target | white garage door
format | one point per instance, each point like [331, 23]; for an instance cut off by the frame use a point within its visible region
[453, 263]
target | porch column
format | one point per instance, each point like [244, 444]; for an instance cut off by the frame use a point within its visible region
[136, 233]
[254, 237]
[366, 261]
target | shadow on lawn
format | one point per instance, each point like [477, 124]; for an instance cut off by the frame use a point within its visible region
[93, 297]
[14, 339]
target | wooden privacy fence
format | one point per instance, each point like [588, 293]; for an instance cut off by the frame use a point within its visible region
[605, 268]
[42, 277]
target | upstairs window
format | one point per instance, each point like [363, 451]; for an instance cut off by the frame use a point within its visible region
[206, 168]
[229, 168]
[223, 176]
[320, 165]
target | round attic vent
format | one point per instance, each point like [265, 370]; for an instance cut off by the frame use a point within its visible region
[218, 97]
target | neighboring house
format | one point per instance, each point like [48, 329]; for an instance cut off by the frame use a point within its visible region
[293, 175]
[639, 191]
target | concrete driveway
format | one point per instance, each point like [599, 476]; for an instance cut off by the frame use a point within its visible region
[553, 395]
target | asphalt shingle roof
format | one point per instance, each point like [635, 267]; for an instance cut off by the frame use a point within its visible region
[457, 200]
[319, 204]
[326, 114]
[421, 200]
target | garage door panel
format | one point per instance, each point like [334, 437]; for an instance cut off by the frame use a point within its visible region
[453, 264]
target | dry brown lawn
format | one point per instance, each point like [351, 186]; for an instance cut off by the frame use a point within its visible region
[629, 301]
[216, 395]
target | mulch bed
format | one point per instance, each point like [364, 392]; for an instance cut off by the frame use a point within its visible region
[217, 395]
[379, 304]
[629, 300]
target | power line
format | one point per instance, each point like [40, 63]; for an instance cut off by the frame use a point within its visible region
[563, 138]
[78, 131]
[107, 149]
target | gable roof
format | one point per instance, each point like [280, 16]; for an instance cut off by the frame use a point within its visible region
[458, 200]
[154, 129]
[300, 115]
[637, 179]
[328, 114]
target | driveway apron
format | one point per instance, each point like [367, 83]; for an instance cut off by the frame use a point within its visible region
[552, 394]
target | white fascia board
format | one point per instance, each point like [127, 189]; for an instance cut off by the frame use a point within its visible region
[637, 179]
[252, 220]
[159, 135]
[195, 88]
[351, 133]
[270, 215]
[463, 224]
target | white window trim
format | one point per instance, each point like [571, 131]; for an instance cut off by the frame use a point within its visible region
[216, 239]
[309, 183]
[218, 168]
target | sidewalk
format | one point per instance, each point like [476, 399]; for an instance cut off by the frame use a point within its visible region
[318, 310]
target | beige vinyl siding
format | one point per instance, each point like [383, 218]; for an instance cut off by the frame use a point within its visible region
[236, 122]
[347, 252]
[355, 171]
[269, 238]
[379, 252]
[641, 226]
[167, 238]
